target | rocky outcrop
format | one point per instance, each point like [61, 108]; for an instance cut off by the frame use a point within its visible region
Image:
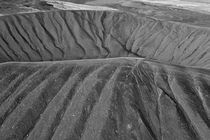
[103, 99]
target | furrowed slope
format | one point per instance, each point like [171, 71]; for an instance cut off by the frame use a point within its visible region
[123, 98]
[68, 35]
[103, 99]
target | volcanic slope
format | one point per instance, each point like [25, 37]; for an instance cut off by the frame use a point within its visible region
[111, 99]
[82, 34]
[123, 98]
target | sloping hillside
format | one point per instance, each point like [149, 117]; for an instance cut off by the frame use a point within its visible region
[57, 35]
[103, 99]
[121, 71]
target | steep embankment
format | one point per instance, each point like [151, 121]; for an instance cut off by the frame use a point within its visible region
[67, 35]
[103, 99]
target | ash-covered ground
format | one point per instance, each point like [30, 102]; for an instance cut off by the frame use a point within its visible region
[104, 70]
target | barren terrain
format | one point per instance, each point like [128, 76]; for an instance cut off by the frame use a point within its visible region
[104, 70]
